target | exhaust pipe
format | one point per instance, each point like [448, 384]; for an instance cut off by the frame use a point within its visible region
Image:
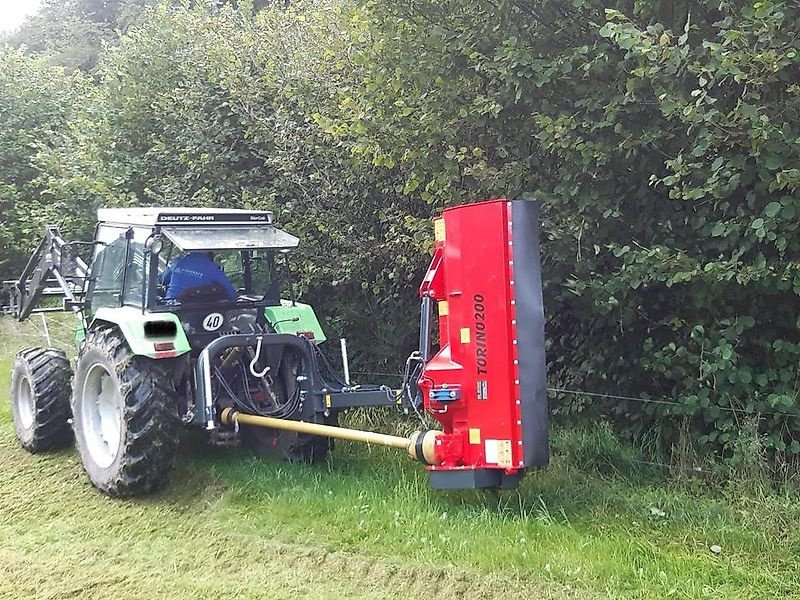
[420, 445]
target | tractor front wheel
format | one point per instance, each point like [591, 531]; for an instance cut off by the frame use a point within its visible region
[40, 399]
[125, 422]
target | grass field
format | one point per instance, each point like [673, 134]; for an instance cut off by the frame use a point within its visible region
[365, 525]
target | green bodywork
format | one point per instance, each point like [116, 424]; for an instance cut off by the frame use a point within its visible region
[282, 319]
[80, 333]
[131, 321]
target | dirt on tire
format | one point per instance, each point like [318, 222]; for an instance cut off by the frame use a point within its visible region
[148, 439]
[45, 374]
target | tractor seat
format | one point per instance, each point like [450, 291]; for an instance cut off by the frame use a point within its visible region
[210, 292]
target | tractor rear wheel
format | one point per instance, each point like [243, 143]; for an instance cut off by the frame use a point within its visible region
[40, 399]
[281, 444]
[286, 445]
[125, 421]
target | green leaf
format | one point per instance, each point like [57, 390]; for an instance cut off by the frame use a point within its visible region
[758, 223]
[607, 30]
[772, 209]
[774, 161]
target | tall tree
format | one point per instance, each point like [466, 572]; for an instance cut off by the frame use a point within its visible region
[72, 32]
[39, 108]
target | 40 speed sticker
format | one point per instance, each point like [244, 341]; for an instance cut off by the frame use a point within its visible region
[213, 321]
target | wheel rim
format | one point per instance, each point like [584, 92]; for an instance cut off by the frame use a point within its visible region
[26, 405]
[101, 415]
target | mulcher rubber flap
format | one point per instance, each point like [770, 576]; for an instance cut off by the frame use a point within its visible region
[530, 332]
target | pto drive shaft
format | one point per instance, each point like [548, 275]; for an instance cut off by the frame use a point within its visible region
[420, 445]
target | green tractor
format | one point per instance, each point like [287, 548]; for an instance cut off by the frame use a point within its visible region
[150, 361]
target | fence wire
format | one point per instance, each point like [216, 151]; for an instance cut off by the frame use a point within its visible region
[61, 335]
[601, 395]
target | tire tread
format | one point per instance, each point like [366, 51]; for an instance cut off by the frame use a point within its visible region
[150, 419]
[50, 375]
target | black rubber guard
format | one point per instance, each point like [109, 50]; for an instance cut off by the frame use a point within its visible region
[530, 332]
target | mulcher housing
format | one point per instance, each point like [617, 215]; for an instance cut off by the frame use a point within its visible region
[486, 384]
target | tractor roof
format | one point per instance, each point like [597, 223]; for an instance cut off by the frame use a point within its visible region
[173, 216]
[206, 228]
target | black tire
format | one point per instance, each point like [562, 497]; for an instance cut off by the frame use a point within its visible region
[40, 391]
[125, 419]
[286, 445]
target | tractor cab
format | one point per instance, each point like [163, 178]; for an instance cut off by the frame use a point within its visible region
[244, 268]
[136, 246]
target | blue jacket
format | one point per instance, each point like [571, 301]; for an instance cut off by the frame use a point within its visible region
[193, 270]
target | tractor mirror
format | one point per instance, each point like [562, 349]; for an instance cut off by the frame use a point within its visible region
[154, 244]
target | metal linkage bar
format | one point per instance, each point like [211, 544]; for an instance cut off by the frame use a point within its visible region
[52, 270]
[204, 405]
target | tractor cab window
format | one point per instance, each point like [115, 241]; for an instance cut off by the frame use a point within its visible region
[247, 255]
[232, 265]
[105, 286]
[119, 269]
[266, 275]
[136, 269]
[264, 269]
[253, 273]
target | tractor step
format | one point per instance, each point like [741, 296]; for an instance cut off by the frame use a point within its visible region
[224, 438]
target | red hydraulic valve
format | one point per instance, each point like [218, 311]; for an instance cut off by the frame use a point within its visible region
[486, 384]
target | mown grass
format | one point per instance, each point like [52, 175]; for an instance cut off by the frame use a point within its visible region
[365, 524]
[633, 540]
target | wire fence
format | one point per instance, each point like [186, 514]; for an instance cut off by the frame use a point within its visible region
[39, 331]
[663, 401]
[693, 470]
[601, 395]
[56, 332]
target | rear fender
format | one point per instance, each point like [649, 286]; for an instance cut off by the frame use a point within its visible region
[143, 331]
[296, 319]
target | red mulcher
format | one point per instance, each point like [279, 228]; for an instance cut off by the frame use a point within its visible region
[486, 384]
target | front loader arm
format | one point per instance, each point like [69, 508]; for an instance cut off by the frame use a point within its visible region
[52, 270]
